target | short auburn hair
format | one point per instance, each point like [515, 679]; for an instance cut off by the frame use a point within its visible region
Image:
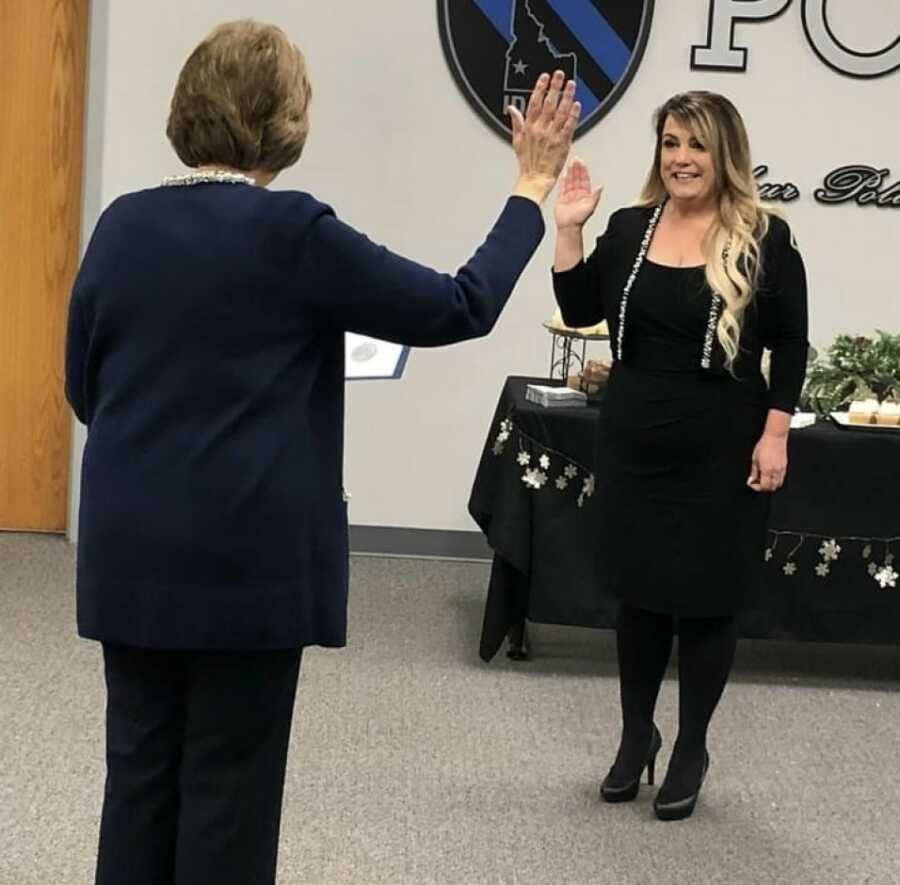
[242, 100]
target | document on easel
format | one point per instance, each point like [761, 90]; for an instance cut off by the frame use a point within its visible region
[367, 359]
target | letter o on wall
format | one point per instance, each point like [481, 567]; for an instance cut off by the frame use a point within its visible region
[865, 65]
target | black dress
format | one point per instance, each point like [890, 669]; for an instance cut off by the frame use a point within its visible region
[681, 532]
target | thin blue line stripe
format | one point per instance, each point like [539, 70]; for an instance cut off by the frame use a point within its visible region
[589, 101]
[595, 34]
[499, 14]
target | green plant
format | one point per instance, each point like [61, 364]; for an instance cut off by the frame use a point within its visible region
[854, 368]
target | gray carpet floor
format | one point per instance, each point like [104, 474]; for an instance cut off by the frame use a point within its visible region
[413, 762]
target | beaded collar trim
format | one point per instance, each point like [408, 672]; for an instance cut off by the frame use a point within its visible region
[210, 176]
[635, 270]
[715, 307]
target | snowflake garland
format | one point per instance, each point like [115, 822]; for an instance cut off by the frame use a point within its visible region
[883, 573]
[565, 472]
[537, 477]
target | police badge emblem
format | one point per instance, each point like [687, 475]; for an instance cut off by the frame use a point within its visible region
[496, 50]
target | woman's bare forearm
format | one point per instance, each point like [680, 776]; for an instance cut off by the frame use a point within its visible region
[569, 248]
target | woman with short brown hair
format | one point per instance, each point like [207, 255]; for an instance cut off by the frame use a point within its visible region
[206, 356]
[242, 100]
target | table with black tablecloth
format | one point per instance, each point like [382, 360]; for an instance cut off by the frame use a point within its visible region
[830, 573]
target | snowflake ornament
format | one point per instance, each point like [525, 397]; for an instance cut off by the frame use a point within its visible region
[561, 482]
[790, 568]
[873, 569]
[822, 569]
[830, 550]
[867, 551]
[571, 471]
[544, 462]
[587, 490]
[534, 478]
[769, 554]
[887, 577]
[524, 459]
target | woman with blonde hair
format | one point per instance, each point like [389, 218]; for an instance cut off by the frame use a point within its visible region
[206, 356]
[695, 281]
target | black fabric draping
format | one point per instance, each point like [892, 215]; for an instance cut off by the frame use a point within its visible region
[842, 484]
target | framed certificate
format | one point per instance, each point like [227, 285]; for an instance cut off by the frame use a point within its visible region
[368, 358]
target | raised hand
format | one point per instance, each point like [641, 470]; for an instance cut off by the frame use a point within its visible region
[543, 137]
[576, 202]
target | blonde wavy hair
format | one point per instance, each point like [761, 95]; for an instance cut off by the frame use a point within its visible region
[732, 246]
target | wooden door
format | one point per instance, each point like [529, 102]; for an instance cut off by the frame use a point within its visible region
[43, 55]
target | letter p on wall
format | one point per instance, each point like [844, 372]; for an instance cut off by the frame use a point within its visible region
[720, 53]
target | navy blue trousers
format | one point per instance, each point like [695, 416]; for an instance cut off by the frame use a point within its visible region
[196, 748]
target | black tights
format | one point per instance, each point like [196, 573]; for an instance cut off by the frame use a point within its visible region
[706, 649]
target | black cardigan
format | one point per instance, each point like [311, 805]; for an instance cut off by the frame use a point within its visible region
[776, 319]
[206, 356]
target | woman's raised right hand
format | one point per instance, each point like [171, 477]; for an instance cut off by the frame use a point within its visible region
[576, 202]
[543, 137]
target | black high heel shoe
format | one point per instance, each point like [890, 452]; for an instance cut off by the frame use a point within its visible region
[615, 789]
[675, 808]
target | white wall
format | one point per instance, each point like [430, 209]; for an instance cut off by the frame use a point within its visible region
[399, 154]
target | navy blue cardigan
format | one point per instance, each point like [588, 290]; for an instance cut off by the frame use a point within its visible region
[205, 355]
